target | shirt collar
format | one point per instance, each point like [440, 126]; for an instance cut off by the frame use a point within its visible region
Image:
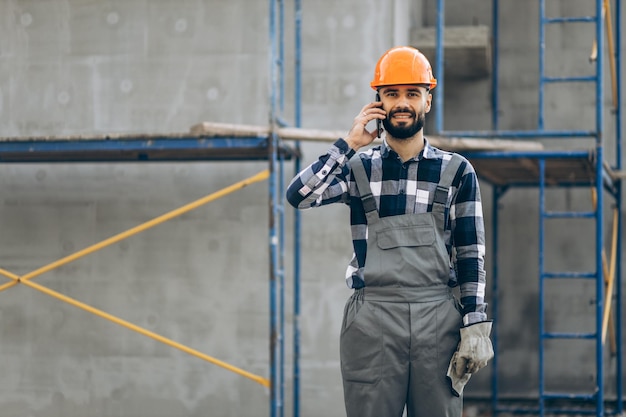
[428, 152]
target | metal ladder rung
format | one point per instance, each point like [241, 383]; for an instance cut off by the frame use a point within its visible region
[557, 335]
[516, 410]
[585, 275]
[573, 411]
[569, 214]
[535, 410]
[579, 79]
[571, 19]
[566, 396]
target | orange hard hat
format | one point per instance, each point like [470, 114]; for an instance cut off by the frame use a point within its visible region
[403, 65]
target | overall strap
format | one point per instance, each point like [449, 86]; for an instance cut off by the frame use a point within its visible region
[447, 176]
[363, 185]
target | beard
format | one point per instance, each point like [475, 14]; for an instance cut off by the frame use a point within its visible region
[405, 131]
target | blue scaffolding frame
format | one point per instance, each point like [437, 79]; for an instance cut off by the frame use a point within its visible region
[206, 146]
[600, 180]
[190, 147]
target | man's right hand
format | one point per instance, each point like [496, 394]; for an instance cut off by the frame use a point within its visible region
[359, 136]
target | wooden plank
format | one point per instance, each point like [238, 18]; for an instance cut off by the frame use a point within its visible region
[317, 135]
[216, 130]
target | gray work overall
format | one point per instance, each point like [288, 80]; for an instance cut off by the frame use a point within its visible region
[400, 331]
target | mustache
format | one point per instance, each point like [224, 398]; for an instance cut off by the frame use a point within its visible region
[407, 110]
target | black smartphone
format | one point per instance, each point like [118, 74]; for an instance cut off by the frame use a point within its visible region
[379, 128]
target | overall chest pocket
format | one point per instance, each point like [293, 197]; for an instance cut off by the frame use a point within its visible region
[405, 254]
[409, 236]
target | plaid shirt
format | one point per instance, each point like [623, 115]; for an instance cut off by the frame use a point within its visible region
[404, 188]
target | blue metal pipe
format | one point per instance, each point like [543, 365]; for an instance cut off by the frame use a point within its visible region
[542, 208]
[281, 276]
[570, 396]
[542, 53]
[599, 208]
[580, 79]
[552, 410]
[495, 93]
[275, 401]
[280, 211]
[570, 214]
[560, 335]
[573, 19]
[281, 54]
[297, 218]
[618, 153]
[497, 193]
[275, 329]
[439, 52]
[587, 275]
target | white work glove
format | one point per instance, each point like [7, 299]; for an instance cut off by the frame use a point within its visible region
[473, 353]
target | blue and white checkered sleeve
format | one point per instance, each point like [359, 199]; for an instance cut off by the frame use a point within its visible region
[324, 181]
[468, 233]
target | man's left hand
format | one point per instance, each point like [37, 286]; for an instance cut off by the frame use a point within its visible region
[475, 348]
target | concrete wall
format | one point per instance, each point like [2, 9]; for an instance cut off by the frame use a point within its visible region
[82, 67]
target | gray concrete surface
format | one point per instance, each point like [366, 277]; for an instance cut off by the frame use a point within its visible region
[81, 67]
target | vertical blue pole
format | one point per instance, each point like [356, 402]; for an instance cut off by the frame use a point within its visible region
[274, 400]
[542, 53]
[618, 198]
[599, 209]
[280, 212]
[542, 210]
[497, 192]
[281, 54]
[439, 50]
[281, 275]
[296, 238]
[495, 98]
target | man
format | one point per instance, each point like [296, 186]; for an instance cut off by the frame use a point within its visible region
[417, 229]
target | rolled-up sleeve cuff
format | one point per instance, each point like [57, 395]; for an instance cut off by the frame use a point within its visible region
[474, 317]
[342, 147]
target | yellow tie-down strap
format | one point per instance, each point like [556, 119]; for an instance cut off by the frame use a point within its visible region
[26, 279]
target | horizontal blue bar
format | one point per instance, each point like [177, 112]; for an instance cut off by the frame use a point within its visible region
[517, 133]
[551, 410]
[583, 408]
[517, 410]
[565, 154]
[584, 275]
[579, 79]
[130, 143]
[128, 147]
[569, 215]
[533, 184]
[555, 335]
[571, 19]
[568, 396]
[535, 410]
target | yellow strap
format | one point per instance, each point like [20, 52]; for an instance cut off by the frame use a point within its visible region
[263, 381]
[135, 230]
[154, 222]
[15, 278]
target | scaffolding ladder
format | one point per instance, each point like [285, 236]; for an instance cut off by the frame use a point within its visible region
[548, 397]
[545, 169]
